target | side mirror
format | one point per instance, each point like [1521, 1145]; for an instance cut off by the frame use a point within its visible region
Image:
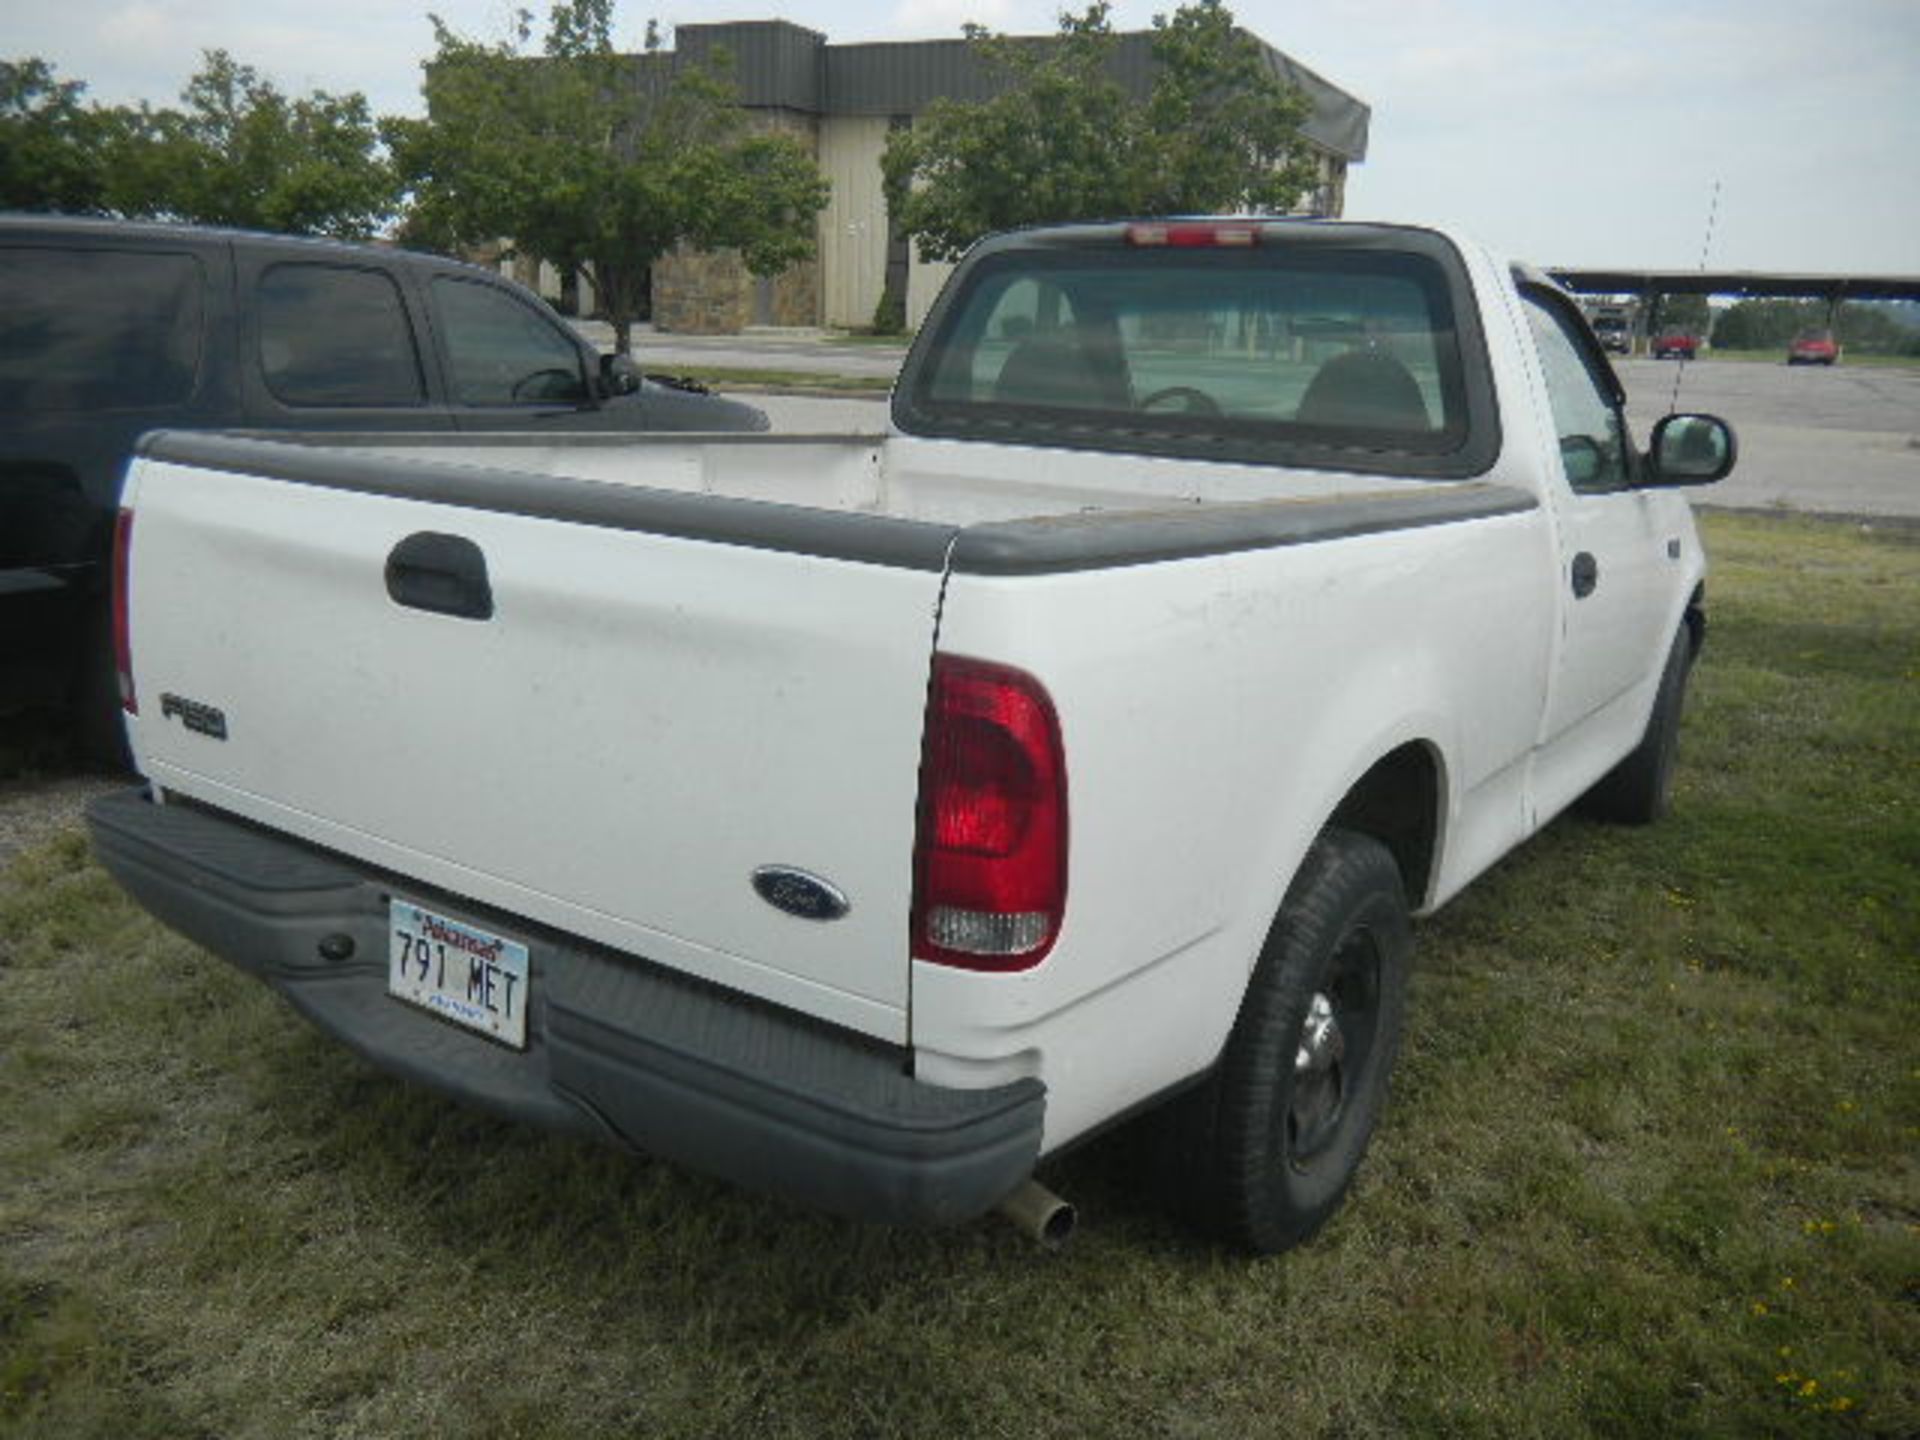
[1690, 450]
[619, 375]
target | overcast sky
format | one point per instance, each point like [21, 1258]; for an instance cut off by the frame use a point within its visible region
[1567, 134]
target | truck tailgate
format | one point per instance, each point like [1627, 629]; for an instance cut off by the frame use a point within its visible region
[643, 721]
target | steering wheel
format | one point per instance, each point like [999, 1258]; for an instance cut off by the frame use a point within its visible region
[1192, 401]
[551, 384]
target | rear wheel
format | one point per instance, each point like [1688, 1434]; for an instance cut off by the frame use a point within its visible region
[1277, 1135]
[1639, 790]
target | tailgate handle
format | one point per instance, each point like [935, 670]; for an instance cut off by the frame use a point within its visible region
[445, 574]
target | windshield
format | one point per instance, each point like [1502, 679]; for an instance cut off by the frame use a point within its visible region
[1244, 353]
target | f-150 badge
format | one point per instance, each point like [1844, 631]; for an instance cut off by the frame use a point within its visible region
[200, 718]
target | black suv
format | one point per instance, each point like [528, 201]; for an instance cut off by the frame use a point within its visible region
[110, 329]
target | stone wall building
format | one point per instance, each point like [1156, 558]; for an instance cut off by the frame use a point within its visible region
[841, 101]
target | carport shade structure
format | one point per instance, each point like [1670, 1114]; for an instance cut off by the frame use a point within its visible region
[1651, 285]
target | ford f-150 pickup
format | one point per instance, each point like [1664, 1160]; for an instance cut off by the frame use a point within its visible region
[864, 818]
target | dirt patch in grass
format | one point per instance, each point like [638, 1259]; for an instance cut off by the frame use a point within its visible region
[1650, 1167]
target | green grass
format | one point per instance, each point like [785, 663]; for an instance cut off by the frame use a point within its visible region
[868, 337]
[735, 378]
[1651, 1167]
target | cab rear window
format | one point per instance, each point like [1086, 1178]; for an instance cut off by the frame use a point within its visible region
[1308, 355]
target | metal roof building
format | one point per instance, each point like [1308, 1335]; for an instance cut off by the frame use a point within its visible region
[841, 100]
[783, 66]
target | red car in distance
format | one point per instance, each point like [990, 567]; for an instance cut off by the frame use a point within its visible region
[1675, 345]
[1813, 347]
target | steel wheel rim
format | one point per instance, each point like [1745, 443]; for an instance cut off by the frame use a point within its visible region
[1332, 1049]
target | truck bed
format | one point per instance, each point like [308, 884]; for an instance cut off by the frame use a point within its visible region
[936, 482]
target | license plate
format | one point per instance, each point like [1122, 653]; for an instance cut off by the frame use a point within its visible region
[458, 971]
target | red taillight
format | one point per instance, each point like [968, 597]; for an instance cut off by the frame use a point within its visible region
[1188, 237]
[990, 855]
[122, 636]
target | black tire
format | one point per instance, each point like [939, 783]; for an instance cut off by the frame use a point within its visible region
[1639, 790]
[1276, 1135]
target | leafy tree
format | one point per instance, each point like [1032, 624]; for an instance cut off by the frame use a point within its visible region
[241, 153]
[1684, 312]
[1756, 324]
[1771, 324]
[49, 141]
[238, 152]
[596, 161]
[1063, 140]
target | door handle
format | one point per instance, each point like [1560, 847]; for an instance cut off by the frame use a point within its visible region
[442, 574]
[1586, 575]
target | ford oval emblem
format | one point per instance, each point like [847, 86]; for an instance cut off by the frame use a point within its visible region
[798, 893]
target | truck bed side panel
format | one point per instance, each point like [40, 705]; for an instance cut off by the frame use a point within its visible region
[1214, 712]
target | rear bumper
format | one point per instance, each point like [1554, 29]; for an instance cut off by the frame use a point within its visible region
[616, 1048]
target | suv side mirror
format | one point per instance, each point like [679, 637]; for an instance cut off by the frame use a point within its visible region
[619, 375]
[1690, 450]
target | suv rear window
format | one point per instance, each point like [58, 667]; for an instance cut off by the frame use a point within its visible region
[98, 329]
[1305, 354]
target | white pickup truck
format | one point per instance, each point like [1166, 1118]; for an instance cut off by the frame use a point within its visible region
[864, 818]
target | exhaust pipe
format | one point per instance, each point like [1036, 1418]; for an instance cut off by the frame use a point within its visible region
[1040, 1214]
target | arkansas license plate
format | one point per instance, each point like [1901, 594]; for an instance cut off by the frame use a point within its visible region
[459, 971]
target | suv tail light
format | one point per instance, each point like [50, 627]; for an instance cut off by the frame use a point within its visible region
[122, 635]
[990, 853]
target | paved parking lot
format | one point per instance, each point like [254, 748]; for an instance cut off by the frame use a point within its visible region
[1840, 441]
[1844, 440]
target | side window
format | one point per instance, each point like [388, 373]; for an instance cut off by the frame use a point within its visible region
[334, 335]
[1593, 449]
[97, 329]
[502, 351]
